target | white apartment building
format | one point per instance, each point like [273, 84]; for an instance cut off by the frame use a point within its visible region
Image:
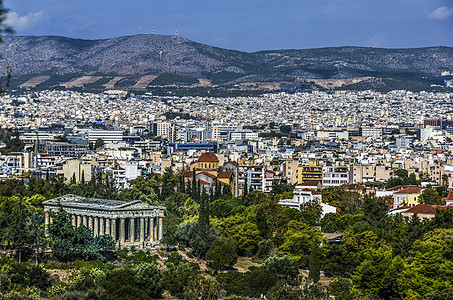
[336, 176]
[105, 135]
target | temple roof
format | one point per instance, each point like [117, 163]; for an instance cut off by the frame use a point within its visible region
[98, 204]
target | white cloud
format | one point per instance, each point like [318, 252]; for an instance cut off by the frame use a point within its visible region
[23, 23]
[441, 13]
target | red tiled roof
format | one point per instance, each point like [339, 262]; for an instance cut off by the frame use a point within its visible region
[202, 182]
[410, 190]
[187, 174]
[450, 196]
[207, 174]
[234, 163]
[208, 157]
[398, 187]
[224, 174]
[427, 209]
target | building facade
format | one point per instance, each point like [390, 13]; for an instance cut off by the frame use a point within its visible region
[128, 223]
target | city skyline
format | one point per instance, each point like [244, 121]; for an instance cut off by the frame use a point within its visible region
[249, 26]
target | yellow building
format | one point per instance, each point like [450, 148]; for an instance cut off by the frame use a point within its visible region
[311, 172]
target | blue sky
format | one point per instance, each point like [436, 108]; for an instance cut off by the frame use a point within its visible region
[247, 25]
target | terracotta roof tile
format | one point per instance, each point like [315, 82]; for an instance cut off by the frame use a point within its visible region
[410, 190]
[224, 174]
[428, 209]
[187, 174]
[398, 187]
[208, 157]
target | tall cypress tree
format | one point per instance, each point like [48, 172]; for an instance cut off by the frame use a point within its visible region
[218, 187]
[82, 179]
[203, 219]
[314, 264]
[199, 191]
[194, 187]
[246, 185]
[73, 179]
[211, 192]
[182, 185]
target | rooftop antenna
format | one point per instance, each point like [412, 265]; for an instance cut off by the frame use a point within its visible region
[140, 29]
[154, 30]
[146, 29]
[176, 31]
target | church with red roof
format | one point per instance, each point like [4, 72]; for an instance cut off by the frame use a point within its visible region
[209, 174]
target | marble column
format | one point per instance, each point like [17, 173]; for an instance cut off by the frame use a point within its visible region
[161, 228]
[96, 226]
[113, 229]
[85, 220]
[132, 230]
[142, 230]
[151, 229]
[107, 228]
[47, 218]
[122, 230]
[73, 220]
[46, 223]
[90, 223]
[79, 220]
[155, 223]
[101, 226]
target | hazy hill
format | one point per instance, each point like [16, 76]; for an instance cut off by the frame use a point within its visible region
[132, 57]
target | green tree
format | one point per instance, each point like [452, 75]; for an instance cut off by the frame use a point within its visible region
[203, 287]
[203, 219]
[375, 209]
[149, 278]
[247, 237]
[313, 206]
[430, 196]
[375, 276]
[73, 179]
[284, 267]
[168, 183]
[178, 277]
[195, 191]
[246, 186]
[341, 288]
[15, 217]
[120, 284]
[266, 249]
[314, 264]
[222, 254]
[298, 240]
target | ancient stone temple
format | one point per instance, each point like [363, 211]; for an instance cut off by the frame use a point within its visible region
[129, 223]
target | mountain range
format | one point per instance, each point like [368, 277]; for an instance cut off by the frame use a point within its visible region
[147, 61]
